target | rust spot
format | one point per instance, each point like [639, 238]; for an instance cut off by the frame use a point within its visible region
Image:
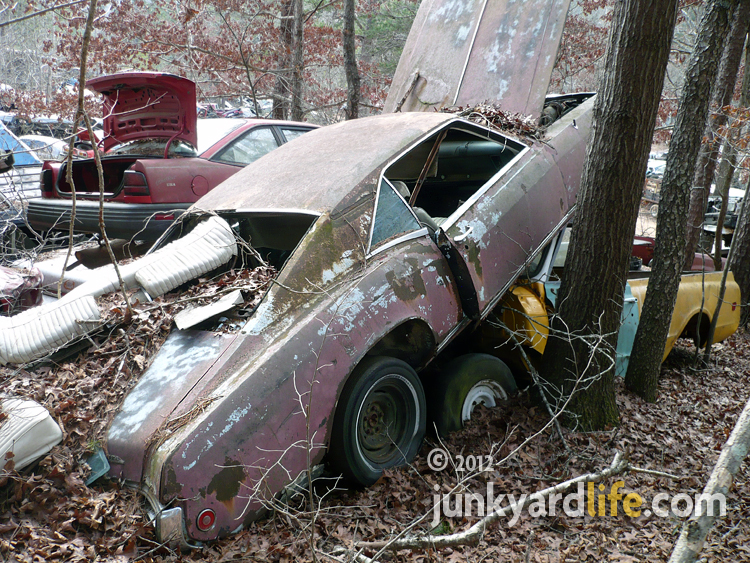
[171, 488]
[226, 483]
[407, 287]
[473, 257]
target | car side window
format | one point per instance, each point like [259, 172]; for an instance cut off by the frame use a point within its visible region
[292, 134]
[248, 148]
[392, 216]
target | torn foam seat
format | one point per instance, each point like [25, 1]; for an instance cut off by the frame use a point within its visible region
[39, 331]
[34, 333]
[28, 431]
[209, 245]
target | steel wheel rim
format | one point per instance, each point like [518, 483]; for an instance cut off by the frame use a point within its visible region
[486, 392]
[384, 423]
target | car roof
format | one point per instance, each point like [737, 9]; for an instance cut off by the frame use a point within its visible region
[321, 169]
[208, 139]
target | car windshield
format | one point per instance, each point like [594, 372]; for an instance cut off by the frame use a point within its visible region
[154, 147]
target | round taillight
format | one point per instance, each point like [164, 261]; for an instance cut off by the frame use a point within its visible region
[206, 520]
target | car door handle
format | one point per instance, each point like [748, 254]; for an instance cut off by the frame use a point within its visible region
[463, 235]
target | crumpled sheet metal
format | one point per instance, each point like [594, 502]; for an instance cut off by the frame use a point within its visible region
[19, 290]
[39, 331]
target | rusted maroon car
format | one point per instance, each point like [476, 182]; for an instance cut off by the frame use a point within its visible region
[393, 235]
[160, 158]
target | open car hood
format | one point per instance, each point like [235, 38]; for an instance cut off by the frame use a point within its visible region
[467, 52]
[141, 105]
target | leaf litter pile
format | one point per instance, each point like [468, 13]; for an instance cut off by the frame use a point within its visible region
[682, 435]
[490, 115]
[48, 513]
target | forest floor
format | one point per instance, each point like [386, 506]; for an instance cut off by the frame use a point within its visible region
[682, 435]
[48, 513]
[52, 515]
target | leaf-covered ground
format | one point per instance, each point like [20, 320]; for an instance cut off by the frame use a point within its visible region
[51, 515]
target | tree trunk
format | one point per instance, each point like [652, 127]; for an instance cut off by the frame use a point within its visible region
[298, 60]
[281, 91]
[669, 252]
[718, 235]
[726, 173]
[709, 152]
[592, 289]
[739, 263]
[350, 61]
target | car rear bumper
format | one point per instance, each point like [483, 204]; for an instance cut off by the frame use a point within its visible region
[122, 220]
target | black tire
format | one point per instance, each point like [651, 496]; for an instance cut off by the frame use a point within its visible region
[654, 210]
[380, 420]
[464, 383]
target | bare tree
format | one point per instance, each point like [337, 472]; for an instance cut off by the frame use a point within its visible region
[624, 116]
[281, 88]
[656, 314]
[298, 60]
[350, 61]
[709, 152]
[739, 262]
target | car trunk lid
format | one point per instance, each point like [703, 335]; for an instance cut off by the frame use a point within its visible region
[140, 105]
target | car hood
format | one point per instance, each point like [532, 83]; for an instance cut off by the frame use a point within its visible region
[141, 105]
[500, 51]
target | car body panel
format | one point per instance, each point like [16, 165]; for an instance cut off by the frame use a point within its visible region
[351, 151]
[259, 419]
[182, 360]
[503, 50]
[698, 297]
[140, 105]
[526, 202]
[123, 220]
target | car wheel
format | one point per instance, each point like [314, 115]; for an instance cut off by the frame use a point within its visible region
[379, 422]
[654, 210]
[464, 383]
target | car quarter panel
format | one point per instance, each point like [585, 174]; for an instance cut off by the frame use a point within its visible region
[277, 390]
[698, 294]
[182, 180]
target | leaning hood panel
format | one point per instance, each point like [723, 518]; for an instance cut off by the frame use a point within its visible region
[466, 52]
[140, 105]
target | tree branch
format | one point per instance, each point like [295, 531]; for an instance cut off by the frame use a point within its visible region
[619, 464]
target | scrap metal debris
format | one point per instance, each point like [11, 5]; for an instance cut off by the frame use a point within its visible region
[19, 289]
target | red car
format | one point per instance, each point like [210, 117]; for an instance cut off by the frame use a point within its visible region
[159, 158]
